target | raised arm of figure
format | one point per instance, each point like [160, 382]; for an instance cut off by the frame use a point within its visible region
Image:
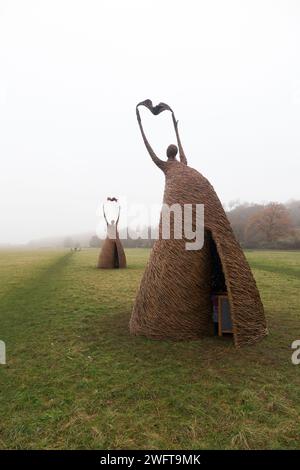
[104, 215]
[118, 216]
[160, 163]
[181, 151]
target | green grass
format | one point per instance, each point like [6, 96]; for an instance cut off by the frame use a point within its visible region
[75, 378]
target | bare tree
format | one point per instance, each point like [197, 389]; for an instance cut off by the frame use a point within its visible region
[272, 222]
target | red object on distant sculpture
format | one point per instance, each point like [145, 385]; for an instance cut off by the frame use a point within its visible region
[112, 199]
[175, 295]
[112, 255]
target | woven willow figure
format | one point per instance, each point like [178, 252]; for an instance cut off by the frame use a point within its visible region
[112, 253]
[174, 297]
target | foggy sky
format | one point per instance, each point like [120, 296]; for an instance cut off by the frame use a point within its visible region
[71, 73]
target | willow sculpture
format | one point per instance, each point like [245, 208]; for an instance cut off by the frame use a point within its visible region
[112, 253]
[174, 299]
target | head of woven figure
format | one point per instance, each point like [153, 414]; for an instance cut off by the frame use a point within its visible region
[172, 151]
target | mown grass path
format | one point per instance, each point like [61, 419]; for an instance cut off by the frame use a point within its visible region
[75, 378]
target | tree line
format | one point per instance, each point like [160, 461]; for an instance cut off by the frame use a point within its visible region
[272, 225]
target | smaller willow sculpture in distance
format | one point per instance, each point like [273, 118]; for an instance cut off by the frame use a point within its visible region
[175, 295]
[112, 254]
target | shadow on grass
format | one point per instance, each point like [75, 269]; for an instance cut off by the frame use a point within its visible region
[25, 298]
[110, 332]
[282, 270]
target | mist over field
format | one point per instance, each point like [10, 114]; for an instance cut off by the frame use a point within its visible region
[72, 73]
[121, 330]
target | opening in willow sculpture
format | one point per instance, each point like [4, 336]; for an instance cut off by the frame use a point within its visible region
[174, 299]
[112, 254]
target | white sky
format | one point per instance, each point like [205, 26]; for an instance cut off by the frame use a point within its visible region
[71, 73]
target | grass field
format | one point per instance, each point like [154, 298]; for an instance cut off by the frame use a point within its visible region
[75, 378]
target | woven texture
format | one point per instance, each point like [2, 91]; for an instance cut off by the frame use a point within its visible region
[112, 254]
[174, 297]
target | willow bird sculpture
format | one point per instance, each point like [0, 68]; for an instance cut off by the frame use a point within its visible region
[112, 253]
[174, 299]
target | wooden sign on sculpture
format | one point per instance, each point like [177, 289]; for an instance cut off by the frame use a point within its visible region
[112, 254]
[174, 299]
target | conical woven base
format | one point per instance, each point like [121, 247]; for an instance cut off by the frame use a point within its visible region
[112, 255]
[174, 297]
